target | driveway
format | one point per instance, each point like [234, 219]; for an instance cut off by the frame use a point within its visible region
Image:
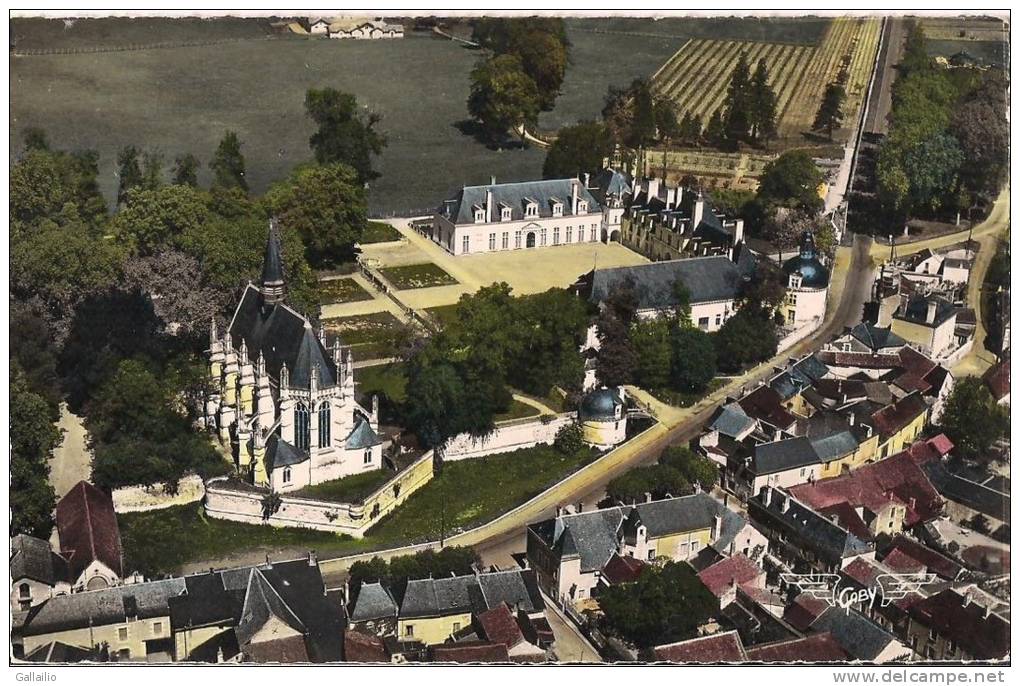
[569, 644]
[72, 460]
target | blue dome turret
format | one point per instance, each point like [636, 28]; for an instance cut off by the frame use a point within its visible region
[813, 274]
[600, 405]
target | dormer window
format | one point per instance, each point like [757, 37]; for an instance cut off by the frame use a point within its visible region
[504, 213]
[794, 280]
[530, 208]
[479, 215]
[557, 208]
[582, 206]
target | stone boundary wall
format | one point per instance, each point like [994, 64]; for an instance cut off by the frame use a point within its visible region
[190, 489]
[507, 437]
[797, 335]
[353, 519]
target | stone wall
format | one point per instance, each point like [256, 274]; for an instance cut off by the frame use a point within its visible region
[244, 504]
[190, 489]
[509, 436]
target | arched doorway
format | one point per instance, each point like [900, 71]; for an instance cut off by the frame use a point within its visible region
[530, 240]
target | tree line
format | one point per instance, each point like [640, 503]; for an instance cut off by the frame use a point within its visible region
[110, 311]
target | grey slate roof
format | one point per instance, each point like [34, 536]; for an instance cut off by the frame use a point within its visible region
[610, 182]
[876, 337]
[284, 337]
[517, 588]
[600, 404]
[982, 497]
[779, 456]
[280, 453]
[362, 436]
[814, 531]
[813, 273]
[732, 524]
[798, 376]
[58, 652]
[916, 310]
[272, 262]
[33, 558]
[708, 279]
[261, 603]
[858, 635]
[675, 515]
[592, 536]
[107, 606]
[374, 602]
[459, 209]
[834, 446]
[437, 597]
[731, 420]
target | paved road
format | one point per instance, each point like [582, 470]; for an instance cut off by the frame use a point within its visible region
[569, 644]
[72, 460]
[881, 94]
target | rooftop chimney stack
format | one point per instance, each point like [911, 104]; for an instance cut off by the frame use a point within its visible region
[488, 204]
[573, 196]
[699, 210]
[930, 315]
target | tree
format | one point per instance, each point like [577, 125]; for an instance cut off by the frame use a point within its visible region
[692, 363]
[502, 96]
[650, 340]
[792, 180]
[667, 122]
[664, 605]
[152, 169]
[326, 206]
[33, 439]
[642, 130]
[569, 439]
[617, 358]
[150, 219]
[541, 44]
[657, 481]
[344, 135]
[437, 564]
[982, 129]
[932, 168]
[129, 172]
[690, 129]
[747, 337]
[578, 150]
[34, 353]
[738, 117]
[227, 164]
[715, 130]
[186, 170]
[972, 419]
[763, 102]
[54, 185]
[830, 112]
[694, 468]
[545, 352]
[35, 139]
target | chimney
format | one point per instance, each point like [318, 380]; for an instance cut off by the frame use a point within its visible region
[699, 210]
[648, 497]
[488, 204]
[313, 560]
[716, 526]
[573, 196]
[786, 505]
[738, 232]
[930, 316]
[587, 179]
[852, 418]
[653, 188]
[767, 495]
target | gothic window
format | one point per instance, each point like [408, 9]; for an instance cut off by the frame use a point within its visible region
[286, 475]
[324, 425]
[302, 439]
[368, 456]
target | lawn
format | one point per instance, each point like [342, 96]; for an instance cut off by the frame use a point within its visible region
[387, 380]
[379, 232]
[680, 399]
[160, 541]
[350, 489]
[341, 291]
[444, 314]
[424, 275]
[471, 492]
[517, 410]
[370, 336]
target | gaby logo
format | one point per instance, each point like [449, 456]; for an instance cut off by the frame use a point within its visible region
[887, 587]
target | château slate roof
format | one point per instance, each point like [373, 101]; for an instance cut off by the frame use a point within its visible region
[280, 453]
[362, 436]
[876, 337]
[32, 558]
[283, 337]
[88, 531]
[272, 261]
[459, 209]
[708, 279]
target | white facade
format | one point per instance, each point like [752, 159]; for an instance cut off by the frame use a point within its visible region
[803, 305]
[466, 239]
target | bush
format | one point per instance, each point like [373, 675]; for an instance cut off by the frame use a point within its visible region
[570, 439]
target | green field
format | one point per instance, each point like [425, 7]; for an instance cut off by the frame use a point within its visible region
[379, 232]
[370, 336]
[411, 276]
[389, 380]
[350, 489]
[341, 291]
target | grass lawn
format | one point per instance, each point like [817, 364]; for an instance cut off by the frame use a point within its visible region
[517, 410]
[444, 314]
[389, 380]
[371, 336]
[341, 291]
[679, 399]
[379, 232]
[161, 541]
[424, 275]
[475, 491]
[350, 489]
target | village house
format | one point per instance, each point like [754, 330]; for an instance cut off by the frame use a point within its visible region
[570, 552]
[801, 539]
[821, 647]
[90, 538]
[724, 647]
[997, 380]
[282, 397]
[928, 323]
[952, 626]
[520, 216]
[860, 637]
[724, 577]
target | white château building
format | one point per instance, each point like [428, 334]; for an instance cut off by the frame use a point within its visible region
[807, 285]
[283, 398]
[529, 214]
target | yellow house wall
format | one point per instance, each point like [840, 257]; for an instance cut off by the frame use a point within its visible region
[433, 630]
[669, 546]
[912, 333]
[138, 632]
[189, 639]
[904, 437]
[798, 405]
[865, 452]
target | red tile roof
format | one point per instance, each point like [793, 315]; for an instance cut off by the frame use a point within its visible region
[87, 527]
[359, 647]
[894, 480]
[765, 403]
[899, 561]
[997, 379]
[470, 651]
[622, 569]
[942, 444]
[834, 358]
[815, 648]
[935, 562]
[866, 573]
[736, 570]
[931, 449]
[893, 418]
[982, 637]
[500, 626]
[724, 647]
[804, 610]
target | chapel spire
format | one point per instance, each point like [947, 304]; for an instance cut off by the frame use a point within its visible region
[272, 285]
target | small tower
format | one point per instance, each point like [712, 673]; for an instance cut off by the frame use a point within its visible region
[263, 393]
[246, 382]
[272, 285]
